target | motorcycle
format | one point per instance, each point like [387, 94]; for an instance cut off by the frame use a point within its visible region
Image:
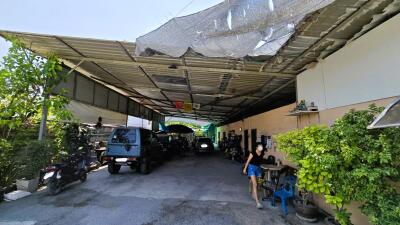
[237, 154]
[60, 174]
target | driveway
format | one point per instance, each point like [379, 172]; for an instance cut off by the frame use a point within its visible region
[191, 190]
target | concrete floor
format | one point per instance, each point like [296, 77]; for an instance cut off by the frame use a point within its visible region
[192, 190]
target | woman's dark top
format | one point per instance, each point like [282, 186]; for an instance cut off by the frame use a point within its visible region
[257, 159]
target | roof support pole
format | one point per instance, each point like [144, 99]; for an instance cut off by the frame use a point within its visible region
[43, 121]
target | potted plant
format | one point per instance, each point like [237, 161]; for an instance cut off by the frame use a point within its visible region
[305, 209]
[302, 146]
[330, 220]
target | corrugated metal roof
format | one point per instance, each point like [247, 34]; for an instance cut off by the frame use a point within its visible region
[227, 89]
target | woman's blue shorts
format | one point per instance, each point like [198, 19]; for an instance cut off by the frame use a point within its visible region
[253, 170]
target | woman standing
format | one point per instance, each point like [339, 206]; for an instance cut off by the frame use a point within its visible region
[253, 170]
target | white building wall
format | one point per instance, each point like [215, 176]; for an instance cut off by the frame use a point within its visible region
[85, 113]
[364, 70]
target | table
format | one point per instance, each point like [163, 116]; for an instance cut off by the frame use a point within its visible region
[269, 168]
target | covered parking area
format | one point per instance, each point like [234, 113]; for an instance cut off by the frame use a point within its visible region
[221, 86]
[226, 88]
[107, 75]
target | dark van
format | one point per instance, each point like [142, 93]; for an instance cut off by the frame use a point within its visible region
[134, 147]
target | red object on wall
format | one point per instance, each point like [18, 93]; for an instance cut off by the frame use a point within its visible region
[179, 105]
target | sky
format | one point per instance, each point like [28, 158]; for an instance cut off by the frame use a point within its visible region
[122, 20]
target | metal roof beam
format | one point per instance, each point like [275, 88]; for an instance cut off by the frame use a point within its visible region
[189, 87]
[144, 72]
[265, 97]
[247, 95]
[193, 117]
[178, 67]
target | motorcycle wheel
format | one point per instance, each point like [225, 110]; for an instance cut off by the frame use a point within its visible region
[54, 187]
[83, 177]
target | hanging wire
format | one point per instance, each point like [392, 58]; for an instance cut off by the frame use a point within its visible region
[184, 8]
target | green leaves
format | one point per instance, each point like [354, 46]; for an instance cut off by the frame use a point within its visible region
[7, 166]
[348, 162]
[25, 80]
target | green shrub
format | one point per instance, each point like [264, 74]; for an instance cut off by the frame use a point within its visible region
[34, 156]
[7, 165]
[348, 162]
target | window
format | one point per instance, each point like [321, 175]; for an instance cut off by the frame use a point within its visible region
[122, 135]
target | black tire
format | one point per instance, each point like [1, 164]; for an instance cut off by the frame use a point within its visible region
[134, 167]
[54, 187]
[83, 176]
[113, 169]
[144, 167]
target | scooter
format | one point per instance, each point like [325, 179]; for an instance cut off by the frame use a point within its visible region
[70, 170]
[237, 154]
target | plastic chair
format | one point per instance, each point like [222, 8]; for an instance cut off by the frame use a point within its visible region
[286, 191]
[270, 186]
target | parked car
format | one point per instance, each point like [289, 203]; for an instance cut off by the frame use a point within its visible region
[164, 139]
[204, 145]
[134, 147]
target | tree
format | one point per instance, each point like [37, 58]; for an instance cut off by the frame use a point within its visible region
[26, 84]
[26, 80]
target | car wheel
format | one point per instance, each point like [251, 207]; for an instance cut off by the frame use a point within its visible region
[113, 169]
[134, 167]
[144, 167]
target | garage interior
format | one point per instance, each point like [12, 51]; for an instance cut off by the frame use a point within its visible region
[108, 77]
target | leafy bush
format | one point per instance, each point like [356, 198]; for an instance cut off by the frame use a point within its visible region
[26, 84]
[348, 162]
[34, 156]
[72, 138]
[370, 163]
[7, 166]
